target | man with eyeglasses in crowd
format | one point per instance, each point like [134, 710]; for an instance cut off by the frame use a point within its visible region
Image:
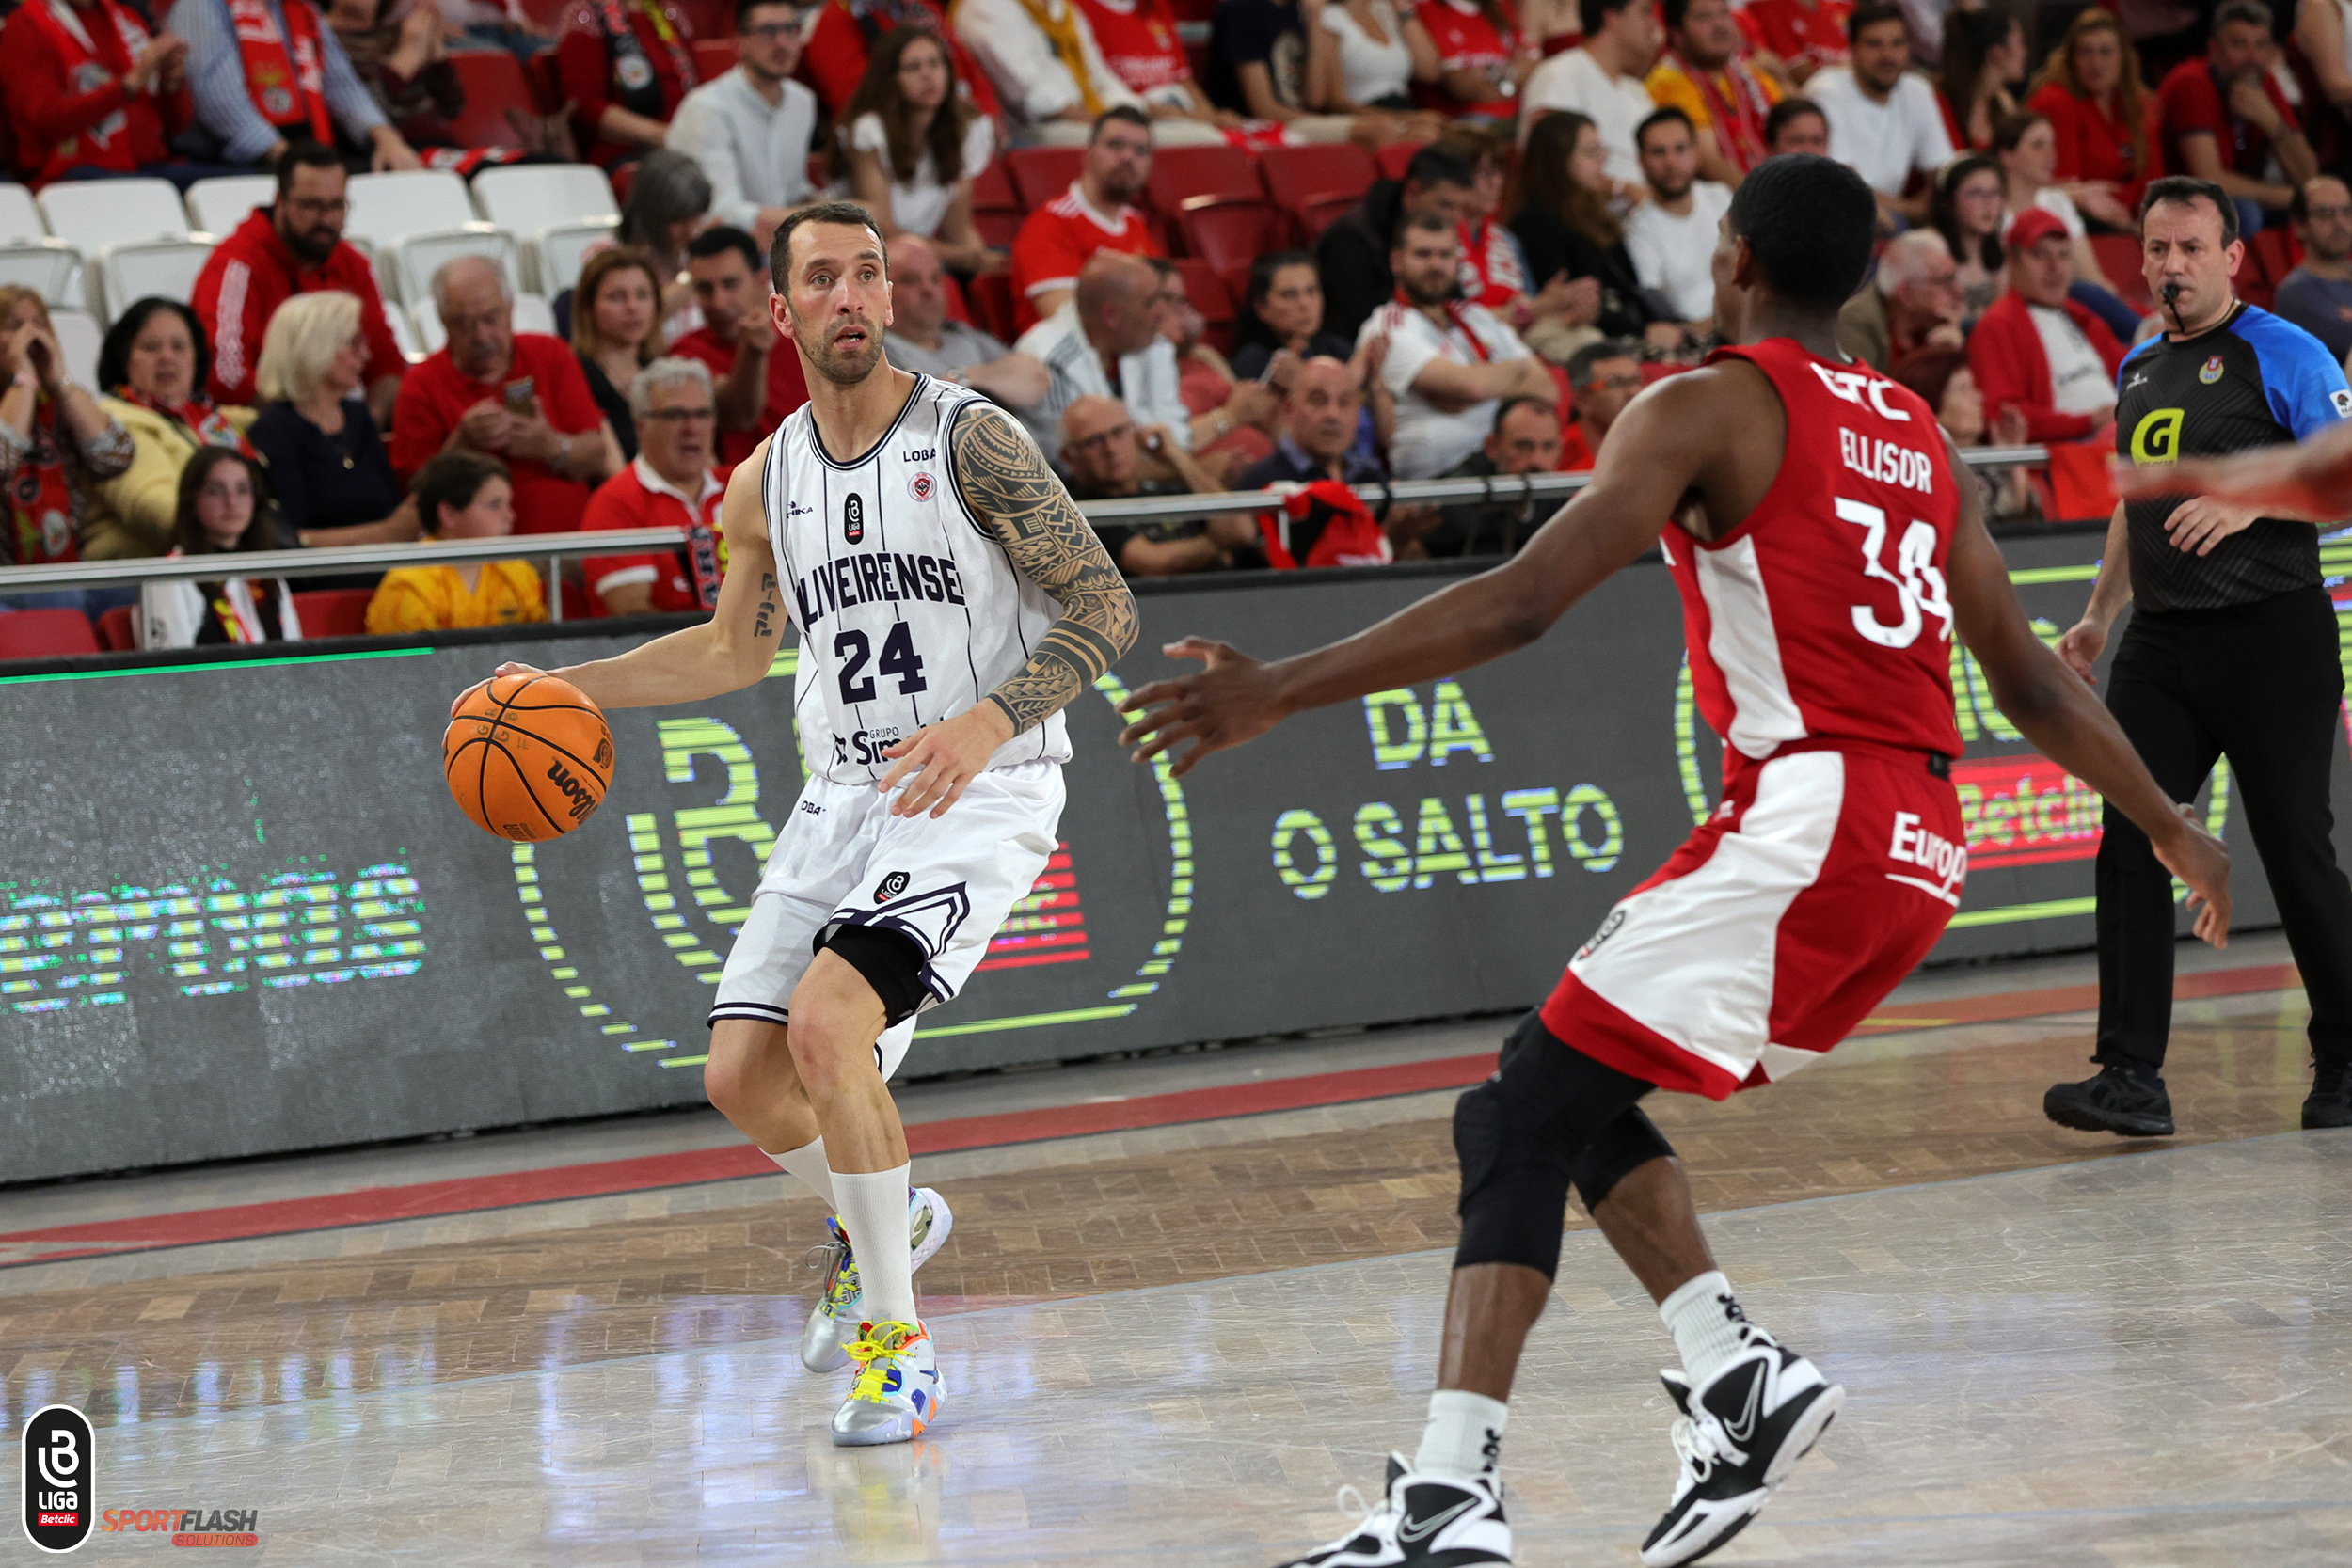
[1915, 302]
[1103, 451]
[751, 128]
[2317, 294]
[292, 246]
[672, 484]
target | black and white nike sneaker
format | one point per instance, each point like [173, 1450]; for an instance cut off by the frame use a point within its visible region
[1423, 1522]
[1739, 1437]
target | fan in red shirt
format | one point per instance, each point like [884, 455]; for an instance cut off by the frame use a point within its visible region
[1479, 51]
[1805, 34]
[756, 372]
[93, 88]
[2010, 352]
[1094, 214]
[841, 35]
[625, 65]
[2103, 117]
[2225, 119]
[516, 396]
[292, 246]
[1139, 44]
[672, 484]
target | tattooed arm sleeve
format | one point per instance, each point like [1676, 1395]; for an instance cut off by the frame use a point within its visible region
[1007, 484]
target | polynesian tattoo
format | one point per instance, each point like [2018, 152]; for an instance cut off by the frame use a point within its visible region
[1006, 482]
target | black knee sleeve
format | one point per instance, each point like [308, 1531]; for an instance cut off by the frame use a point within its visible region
[1520, 1137]
[889, 961]
[1623, 1147]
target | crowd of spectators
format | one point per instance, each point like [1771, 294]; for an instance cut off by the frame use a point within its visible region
[1542, 248]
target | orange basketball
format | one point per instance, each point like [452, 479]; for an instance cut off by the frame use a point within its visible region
[527, 757]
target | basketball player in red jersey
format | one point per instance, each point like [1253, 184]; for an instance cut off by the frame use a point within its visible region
[1827, 546]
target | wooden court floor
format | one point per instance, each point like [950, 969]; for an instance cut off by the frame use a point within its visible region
[1244, 1198]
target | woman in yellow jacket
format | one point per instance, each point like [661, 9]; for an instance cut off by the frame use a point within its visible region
[460, 495]
[151, 370]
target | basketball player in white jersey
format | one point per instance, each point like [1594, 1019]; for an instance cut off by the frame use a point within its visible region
[950, 601]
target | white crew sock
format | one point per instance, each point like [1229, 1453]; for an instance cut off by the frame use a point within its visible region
[873, 1209]
[1464, 1437]
[808, 1163]
[1705, 1321]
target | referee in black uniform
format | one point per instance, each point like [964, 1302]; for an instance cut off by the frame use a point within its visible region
[2232, 651]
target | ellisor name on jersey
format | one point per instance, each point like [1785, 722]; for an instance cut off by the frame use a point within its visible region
[849, 580]
[1888, 462]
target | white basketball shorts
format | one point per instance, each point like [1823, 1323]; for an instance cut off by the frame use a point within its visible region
[945, 882]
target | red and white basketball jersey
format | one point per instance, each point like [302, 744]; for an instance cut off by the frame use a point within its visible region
[1138, 42]
[1823, 615]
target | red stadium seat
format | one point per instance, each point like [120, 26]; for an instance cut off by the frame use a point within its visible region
[1319, 212]
[547, 89]
[1180, 174]
[996, 209]
[1325, 172]
[2275, 251]
[494, 83]
[2118, 257]
[714, 56]
[710, 19]
[1394, 156]
[46, 634]
[1040, 174]
[1211, 299]
[116, 633]
[1229, 235]
[333, 611]
[957, 310]
[623, 176]
[991, 300]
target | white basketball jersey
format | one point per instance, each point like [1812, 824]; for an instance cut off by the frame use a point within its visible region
[909, 610]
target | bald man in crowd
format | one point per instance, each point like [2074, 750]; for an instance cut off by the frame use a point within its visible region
[1105, 341]
[923, 339]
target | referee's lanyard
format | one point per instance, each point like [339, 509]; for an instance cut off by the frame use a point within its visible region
[1461, 324]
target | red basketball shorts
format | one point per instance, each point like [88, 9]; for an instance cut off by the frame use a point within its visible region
[1822, 881]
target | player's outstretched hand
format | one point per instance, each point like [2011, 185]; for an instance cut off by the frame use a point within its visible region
[942, 758]
[509, 667]
[1231, 701]
[2310, 480]
[2202, 861]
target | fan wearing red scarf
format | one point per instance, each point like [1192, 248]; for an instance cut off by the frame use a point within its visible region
[55, 442]
[626, 65]
[269, 75]
[90, 90]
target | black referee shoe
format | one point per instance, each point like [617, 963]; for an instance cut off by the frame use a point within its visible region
[2129, 1101]
[2329, 1103]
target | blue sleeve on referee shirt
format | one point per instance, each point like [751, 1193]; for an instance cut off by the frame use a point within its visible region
[2302, 380]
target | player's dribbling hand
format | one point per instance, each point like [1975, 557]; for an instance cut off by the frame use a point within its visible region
[1231, 701]
[509, 667]
[2202, 861]
[942, 758]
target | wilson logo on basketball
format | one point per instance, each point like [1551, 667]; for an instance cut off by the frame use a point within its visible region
[583, 799]
[890, 887]
[853, 519]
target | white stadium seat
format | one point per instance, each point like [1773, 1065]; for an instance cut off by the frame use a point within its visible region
[417, 258]
[79, 337]
[95, 213]
[217, 206]
[530, 202]
[533, 313]
[389, 207]
[49, 268]
[164, 267]
[19, 218]
[562, 248]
